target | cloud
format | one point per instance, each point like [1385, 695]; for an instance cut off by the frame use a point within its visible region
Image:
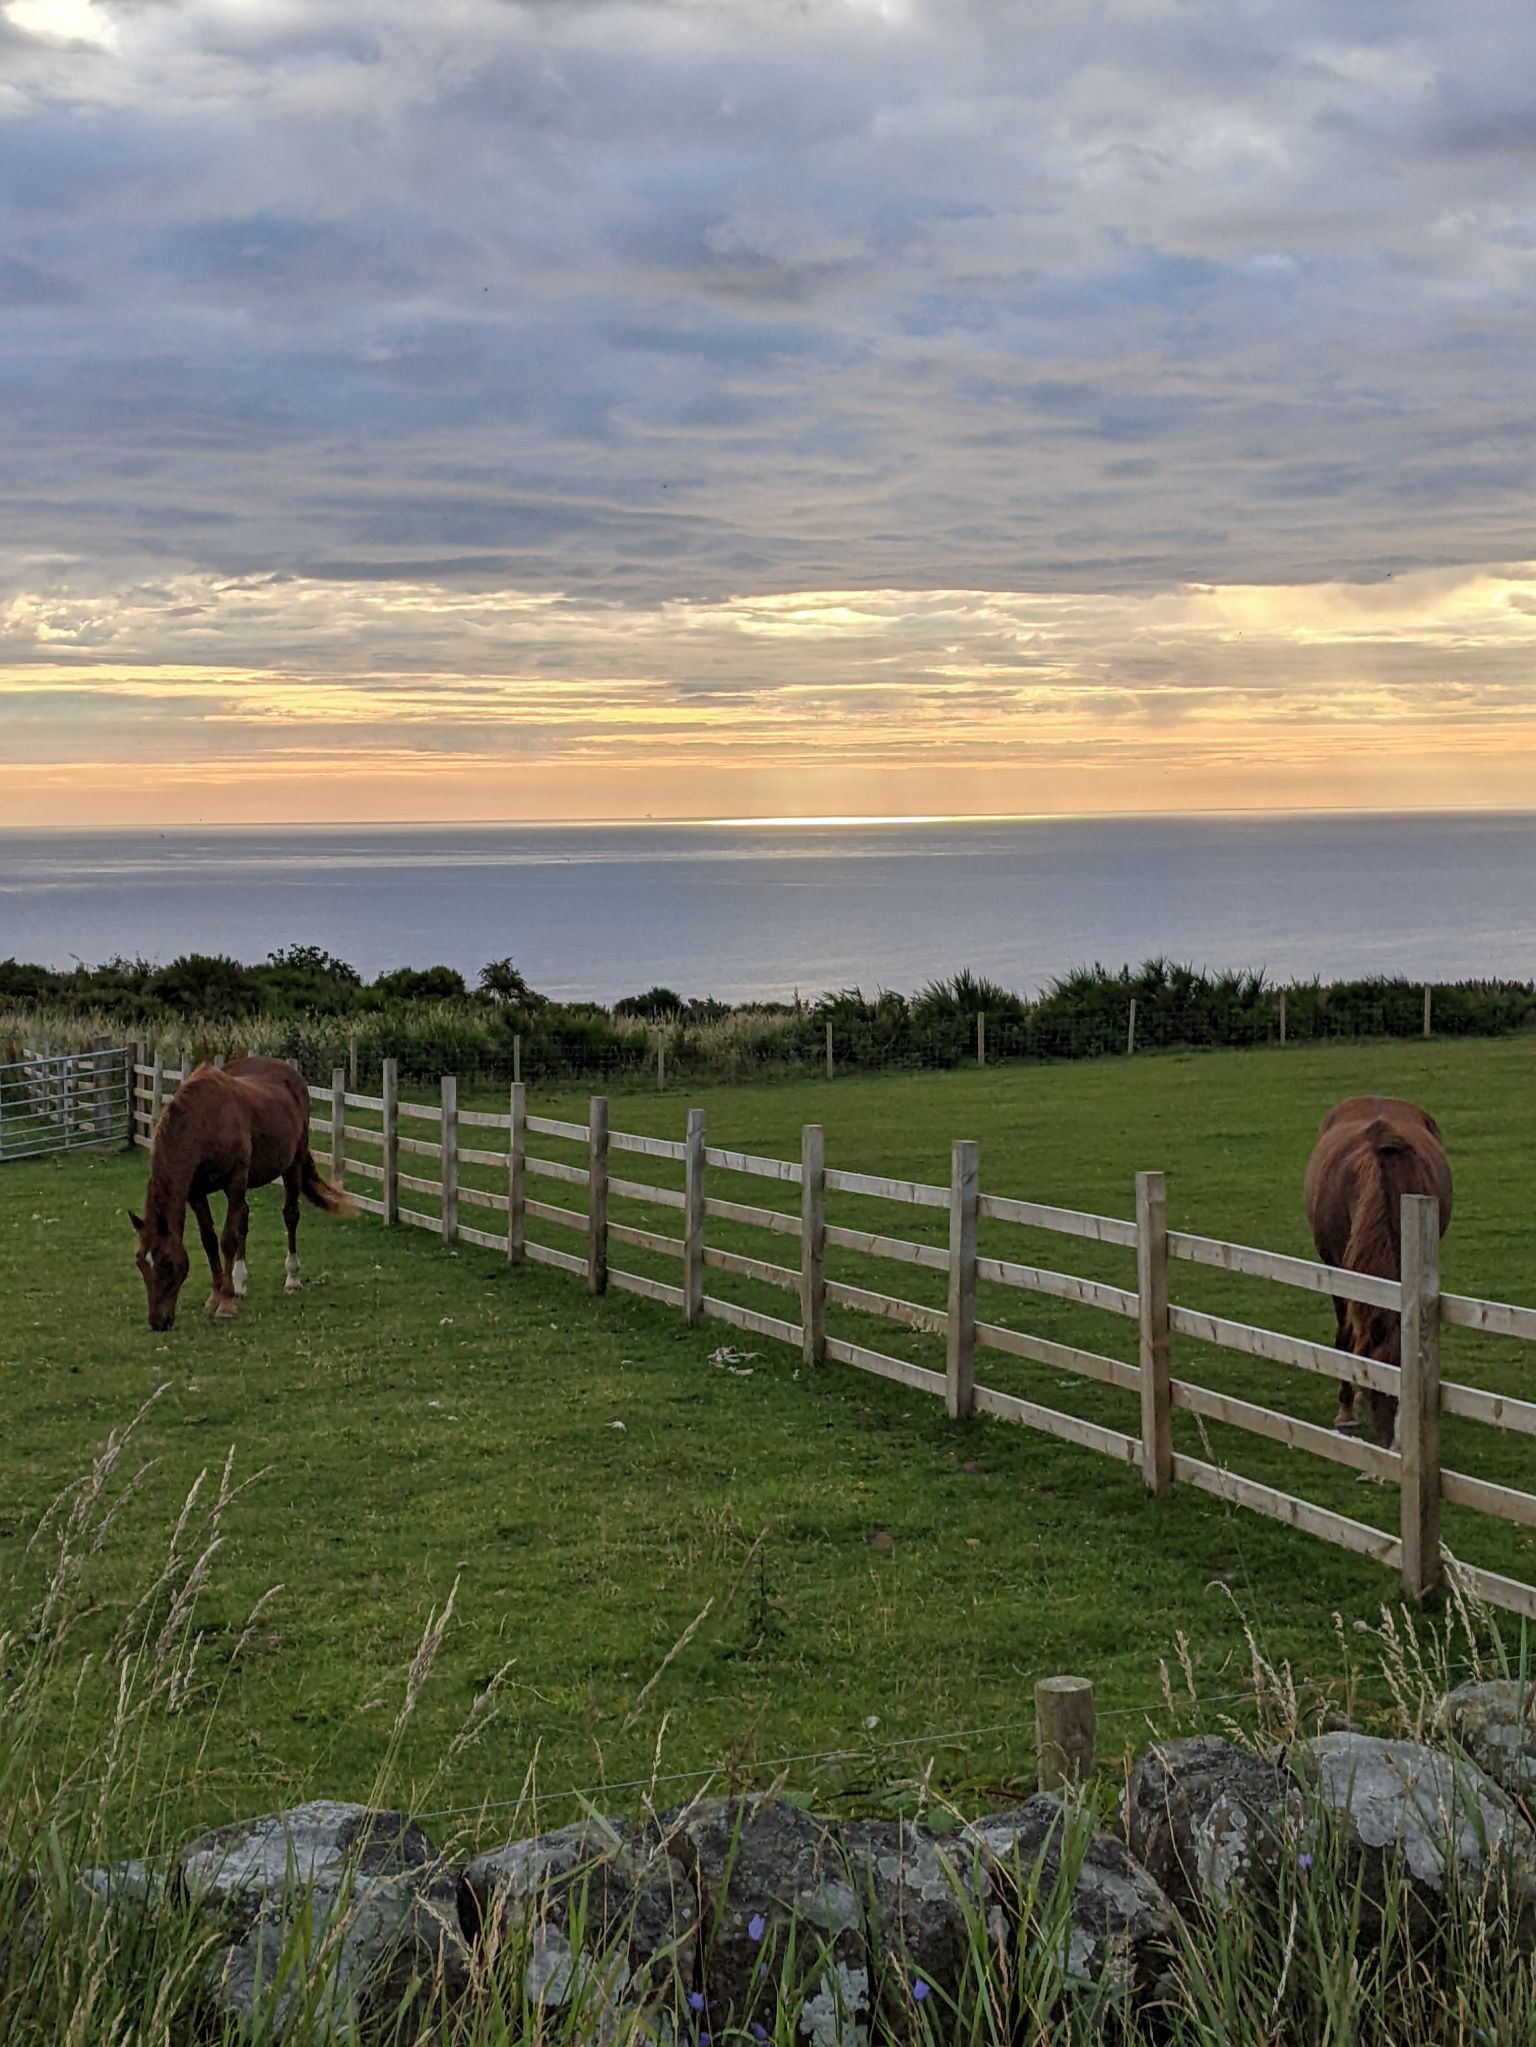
[668, 308]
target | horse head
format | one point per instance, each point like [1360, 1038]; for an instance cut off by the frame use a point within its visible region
[162, 1259]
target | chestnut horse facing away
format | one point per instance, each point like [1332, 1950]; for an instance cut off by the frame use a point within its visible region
[226, 1129]
[1370, 1152]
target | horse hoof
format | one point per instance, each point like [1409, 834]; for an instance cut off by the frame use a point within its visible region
[224, 1312]
[211, 1305]
[1346, 1428]
[293, 1286]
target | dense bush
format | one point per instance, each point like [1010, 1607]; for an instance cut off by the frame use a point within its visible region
[303, 1004]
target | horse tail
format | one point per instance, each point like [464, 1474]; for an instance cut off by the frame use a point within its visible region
[319, 1191]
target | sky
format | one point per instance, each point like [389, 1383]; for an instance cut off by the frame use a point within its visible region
[610, 408]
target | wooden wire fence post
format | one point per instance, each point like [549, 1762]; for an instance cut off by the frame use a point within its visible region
[389, 1190]
[981, 1037]
[1064, 1731]
[960, 1353]
[1282, 1016]
[661, 1062]
[338, 1124]
[831, 1069]
[1427, 1000]
[597, 1195]
[450, 1158]
[517, 1175]
[1152, 1324]
[517, 1058]
[693, 1220]
[1130, 1031]
[156, 1091]
[813, 1245]
[352, 1061]
[1418, 1413]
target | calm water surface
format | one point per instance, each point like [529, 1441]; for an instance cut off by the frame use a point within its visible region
[754, 911]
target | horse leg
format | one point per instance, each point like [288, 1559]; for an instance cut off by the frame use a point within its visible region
[1345, 1421]
[210, 1236]
[293, 1181]
[237, 1220]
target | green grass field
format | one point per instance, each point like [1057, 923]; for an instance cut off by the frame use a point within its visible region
[594, 1479]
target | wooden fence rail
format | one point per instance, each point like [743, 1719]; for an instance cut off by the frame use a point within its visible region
[1414, 1465]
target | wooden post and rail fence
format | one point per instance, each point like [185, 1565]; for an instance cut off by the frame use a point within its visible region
[375, 1124]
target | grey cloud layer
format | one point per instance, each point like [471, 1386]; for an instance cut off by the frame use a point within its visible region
[651, 301]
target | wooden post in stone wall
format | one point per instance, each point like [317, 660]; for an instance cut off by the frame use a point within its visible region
[597, 1195]
[1064, 1731]
[960, 1354]
[693, 1220]
[517, 1175]
[450, 1159]
[1152, 1320]
[1418, 1415]
[813, 1245]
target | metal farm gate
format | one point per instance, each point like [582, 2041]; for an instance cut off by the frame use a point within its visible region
[65, 1101]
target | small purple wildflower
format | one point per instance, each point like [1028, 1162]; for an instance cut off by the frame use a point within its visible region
[758, 2030]
[762, 1968]
[696, 1999]
[1303, 1862]
[919, 1991]
[757, 1926]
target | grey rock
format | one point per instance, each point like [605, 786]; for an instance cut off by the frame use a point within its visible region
[1496, 1724]
[594, 1915]
[1121, 1925]
[778, 1910]
[1408, 1816]
[329, 1909]
[919, 1896]
[1207, 1819]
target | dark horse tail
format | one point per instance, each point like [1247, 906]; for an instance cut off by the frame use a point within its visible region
[320, 1193]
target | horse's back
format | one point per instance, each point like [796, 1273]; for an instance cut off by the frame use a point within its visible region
[253, 1118]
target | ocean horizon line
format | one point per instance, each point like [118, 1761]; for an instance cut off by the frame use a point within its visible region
[823, 821]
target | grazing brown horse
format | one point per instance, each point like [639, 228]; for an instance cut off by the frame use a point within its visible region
[1370, 1152]
[226, 1129]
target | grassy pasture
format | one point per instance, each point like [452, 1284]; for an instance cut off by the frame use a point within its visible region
[594, 1478]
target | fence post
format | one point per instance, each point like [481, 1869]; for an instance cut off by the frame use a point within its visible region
[186, 1064]
[352, 1061]
[136, 1059]
[981, 1037]
[98, 1096]
[517, 1058]
[338, 1124]
[1064, 1731]
[1426, 1008]
[1282, 1016]
[831, 1069]
[1130, 1031]
[450, 1158]
[813, 1245]
[1152, 1319]
[693, 1221]
[661, 1061]
[1418, 1412]
[960, 1355]
[389, 1190]
[597, 1195]
[517, 1175]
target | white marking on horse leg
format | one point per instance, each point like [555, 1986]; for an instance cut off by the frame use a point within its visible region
[238, 1276]
[291, 1279]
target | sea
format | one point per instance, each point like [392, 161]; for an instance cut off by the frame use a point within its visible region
[761, 911]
